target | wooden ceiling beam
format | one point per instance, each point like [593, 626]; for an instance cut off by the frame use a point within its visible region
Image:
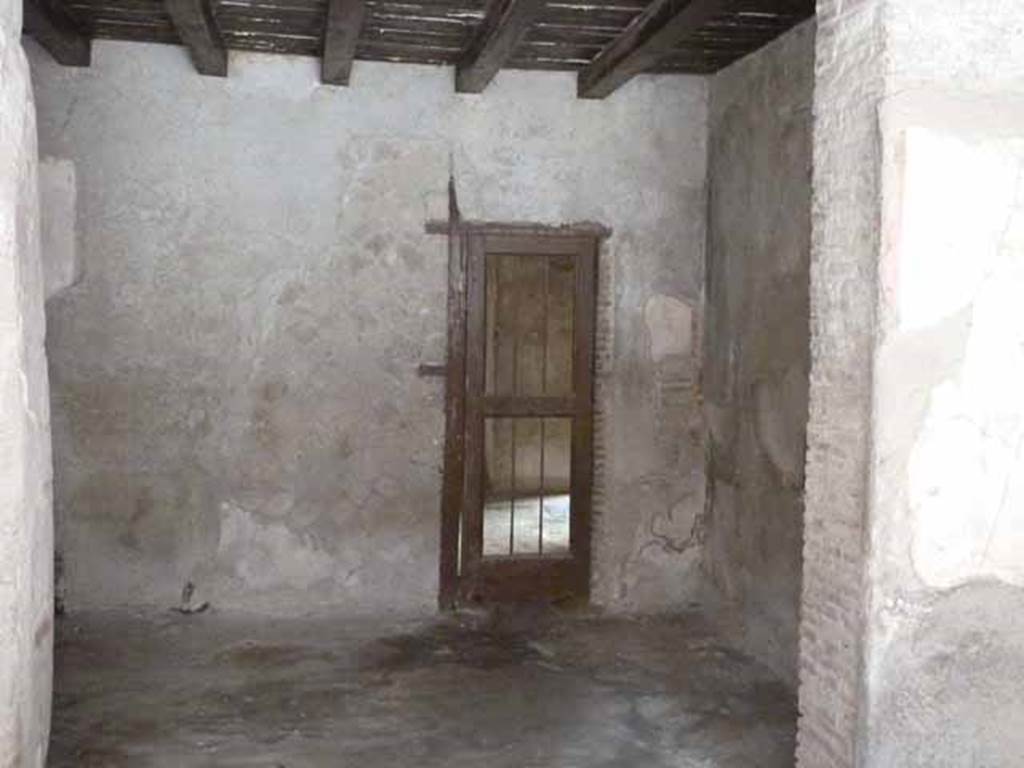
[344, 23]
[652, 36]
[500, 33]
[193, 19]
[59, 34]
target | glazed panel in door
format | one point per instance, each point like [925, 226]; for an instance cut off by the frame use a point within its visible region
[529, 417]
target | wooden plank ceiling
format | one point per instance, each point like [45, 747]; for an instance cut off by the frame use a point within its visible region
[606, 41]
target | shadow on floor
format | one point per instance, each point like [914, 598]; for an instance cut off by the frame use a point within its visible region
[502, 690]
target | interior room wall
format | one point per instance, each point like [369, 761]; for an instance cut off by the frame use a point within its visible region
[756, 342]
[945, 613]
[235, 395]
[912, 641]
[26, 524]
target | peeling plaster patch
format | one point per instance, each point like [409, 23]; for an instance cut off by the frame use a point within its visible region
[967, 496]
[666, 540]
[681, 528]
[949, 685]
[669, 326]
[268, 555]
[956, 199]
[966, 469]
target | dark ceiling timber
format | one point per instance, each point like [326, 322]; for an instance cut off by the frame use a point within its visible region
[649, 39]
[341, 36]
[193, 20]
[606, 42]
[499, 35]
[56, 31]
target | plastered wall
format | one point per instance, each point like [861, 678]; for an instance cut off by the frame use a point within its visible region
[912, 646]
[756, 342]
[235, 397]
[26, 528]
[945, 636]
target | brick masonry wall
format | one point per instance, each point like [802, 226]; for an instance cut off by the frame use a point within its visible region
[604, 346]
[846, 215]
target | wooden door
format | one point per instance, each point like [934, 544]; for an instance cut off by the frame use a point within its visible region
[525, 510]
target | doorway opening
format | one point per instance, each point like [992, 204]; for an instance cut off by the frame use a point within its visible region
[519, 524]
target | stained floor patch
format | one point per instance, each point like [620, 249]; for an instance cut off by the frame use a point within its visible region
[503, 691]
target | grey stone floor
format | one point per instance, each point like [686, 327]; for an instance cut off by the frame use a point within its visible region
[517, 689]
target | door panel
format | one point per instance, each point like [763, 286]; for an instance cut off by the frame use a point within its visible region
[529, 315]
[527, 486]
[529, 416]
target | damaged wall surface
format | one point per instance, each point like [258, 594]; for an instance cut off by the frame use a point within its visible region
[756, 343]
[917, 426]
[844, 242]
[945, 634]
[26, 526]
[235, 394]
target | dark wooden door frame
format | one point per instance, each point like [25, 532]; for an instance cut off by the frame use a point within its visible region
[454, 406]
[505, 580]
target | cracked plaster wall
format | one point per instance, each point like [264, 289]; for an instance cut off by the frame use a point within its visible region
[26, 526]
[235, 398]
[913, 647]
[945, 635]
[756, 344]
[945, 648]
